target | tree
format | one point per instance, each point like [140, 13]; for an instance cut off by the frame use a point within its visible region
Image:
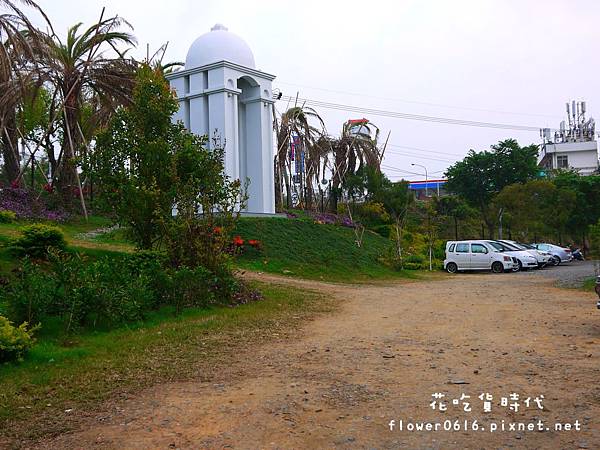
[355, 149]
[454, 207]
[147, 167]
[133, 159]
[397, 199]
[18, 38]
[537, 207]
[586, 206]
[480, 176]
[81, 72]
[294, 128]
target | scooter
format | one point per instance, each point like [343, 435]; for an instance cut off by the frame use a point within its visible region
[577, 255]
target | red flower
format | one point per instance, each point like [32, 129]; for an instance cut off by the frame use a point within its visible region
[254, 243]
[217, 230]
[238, 241]
[48, 187]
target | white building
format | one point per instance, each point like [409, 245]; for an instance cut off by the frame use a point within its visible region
[574, 147]
[222, 94]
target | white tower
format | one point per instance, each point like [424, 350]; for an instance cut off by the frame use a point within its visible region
[220, 92]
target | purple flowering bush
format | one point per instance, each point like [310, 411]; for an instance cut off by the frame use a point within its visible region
[333, 219]
[29, 205]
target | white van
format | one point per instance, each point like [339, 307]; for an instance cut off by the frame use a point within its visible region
[477, 255]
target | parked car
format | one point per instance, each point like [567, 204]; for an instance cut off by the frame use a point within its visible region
[525, 260]
[543, 258]
[476, 255]
[559, 254]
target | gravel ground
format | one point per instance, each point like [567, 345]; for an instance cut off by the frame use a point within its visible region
[570, 275]
[382, 356]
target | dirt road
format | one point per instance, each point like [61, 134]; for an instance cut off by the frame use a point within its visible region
[380, 358]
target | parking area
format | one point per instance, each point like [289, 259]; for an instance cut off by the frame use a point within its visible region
[570, 275]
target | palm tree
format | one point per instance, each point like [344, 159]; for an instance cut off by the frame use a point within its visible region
[355, 149]
[294, 127]
[89, 84]
[17, 38]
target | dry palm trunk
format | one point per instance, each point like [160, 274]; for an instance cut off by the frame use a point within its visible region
[67, 171]
[10, 149]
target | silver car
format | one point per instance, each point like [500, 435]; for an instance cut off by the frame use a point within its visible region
[559, 254]
[525, 260]
[543, 258]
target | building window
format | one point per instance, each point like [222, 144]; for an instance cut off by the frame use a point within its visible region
[562, 162]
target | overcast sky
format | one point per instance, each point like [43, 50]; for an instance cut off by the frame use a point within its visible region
[501, 61]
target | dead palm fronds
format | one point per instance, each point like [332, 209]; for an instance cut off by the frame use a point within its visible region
[294, 127]
[17, 66]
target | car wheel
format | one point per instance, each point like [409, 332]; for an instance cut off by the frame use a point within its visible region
[557, 260]
[497, 267]
[451, 267]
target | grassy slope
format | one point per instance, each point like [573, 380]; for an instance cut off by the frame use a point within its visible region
[296, 247]
[303, 248]
[35, 394]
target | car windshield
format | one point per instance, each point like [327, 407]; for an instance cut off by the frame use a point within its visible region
[499, 247]
[507, 246]
[530, 247]
[517, 245]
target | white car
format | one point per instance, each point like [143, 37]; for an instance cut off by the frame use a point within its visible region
[477, 255]
[525, 260]
[543, 258]
[560, 254]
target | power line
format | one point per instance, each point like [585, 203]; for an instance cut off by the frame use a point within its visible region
[396, 169]
[413, 155]
[355, 94]
[425, 150]
[407, 116]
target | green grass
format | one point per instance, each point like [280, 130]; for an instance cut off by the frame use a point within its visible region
[80, 372]
[113, 242]
[93, 247]
[309, 250]
[589, 284]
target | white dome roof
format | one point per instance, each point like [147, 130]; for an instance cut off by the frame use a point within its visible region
[219, 45]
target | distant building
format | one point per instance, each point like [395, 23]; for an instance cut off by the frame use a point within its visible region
[429, 188]
[573, 147]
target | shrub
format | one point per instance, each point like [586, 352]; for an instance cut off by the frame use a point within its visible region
[416, 259]
[14, 341]
[7, 216]
[371, 214]
[30, 296]
[383, 230]
[30, 205]
[112, 291]
[414, 262]
[81, 293]
[37, 239]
